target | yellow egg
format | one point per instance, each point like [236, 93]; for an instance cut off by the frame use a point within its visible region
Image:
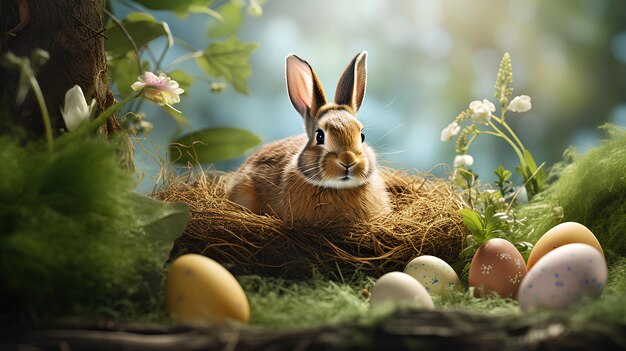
[200, 291]
[559, 235]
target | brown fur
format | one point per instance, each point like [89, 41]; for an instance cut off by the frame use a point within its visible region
[299, 180]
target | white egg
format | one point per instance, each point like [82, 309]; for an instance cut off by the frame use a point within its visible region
[434, 274]
[563, 276]
[400, 288]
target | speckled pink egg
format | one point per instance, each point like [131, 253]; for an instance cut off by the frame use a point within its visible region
[563, 276]
[497, 267]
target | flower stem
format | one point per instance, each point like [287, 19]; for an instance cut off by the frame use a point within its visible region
[101, 119]
[503, 136]
[506, 125]
[44, 112]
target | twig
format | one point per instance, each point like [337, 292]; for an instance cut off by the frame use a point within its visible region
[24, 13]
[95, 32]
[508, 208]
[128, 36]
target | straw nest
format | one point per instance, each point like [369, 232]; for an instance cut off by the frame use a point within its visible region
[424, 221]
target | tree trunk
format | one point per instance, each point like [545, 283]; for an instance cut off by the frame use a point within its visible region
[69, 31]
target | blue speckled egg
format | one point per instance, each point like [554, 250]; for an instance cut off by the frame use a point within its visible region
[434, 274]
[563, 276]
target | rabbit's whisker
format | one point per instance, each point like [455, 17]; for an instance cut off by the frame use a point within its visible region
[394, 152]
[392, 130]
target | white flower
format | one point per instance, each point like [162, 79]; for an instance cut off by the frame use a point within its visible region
[481, 111]
[520, 104]
[162, 89]
[451, 130]
[463, 160]
[75, 110]
[146, 126]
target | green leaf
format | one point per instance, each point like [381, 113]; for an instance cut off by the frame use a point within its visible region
[212, 144]
[184, 80]
[229, 59]
[123, 72]
[503, 174]
[532, 166]
[171, 5]
[205, 10]
[232, 17]
[162, 222]
[472, 220]
[142, 27]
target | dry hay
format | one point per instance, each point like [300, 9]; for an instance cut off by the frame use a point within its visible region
[424, 221]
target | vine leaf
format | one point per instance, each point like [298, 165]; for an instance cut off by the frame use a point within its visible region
[229, 59]
[231, 18]
[177, 6]
[142, 27]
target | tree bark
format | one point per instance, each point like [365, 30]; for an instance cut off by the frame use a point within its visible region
[69, 31]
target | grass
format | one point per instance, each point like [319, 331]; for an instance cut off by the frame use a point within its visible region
[277, 303]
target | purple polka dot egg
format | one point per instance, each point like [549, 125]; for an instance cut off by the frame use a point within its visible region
[563, 277]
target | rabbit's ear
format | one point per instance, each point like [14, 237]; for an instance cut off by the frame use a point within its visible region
[351, 87]
[305, 91]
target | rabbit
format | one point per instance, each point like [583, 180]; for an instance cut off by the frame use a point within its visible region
[327, 174]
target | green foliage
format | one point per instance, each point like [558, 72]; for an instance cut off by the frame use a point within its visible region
[231, 18]
[76, 239]
[125, 72]
[534, 176]
[142, 27]
[504, 184]
[212, 144]
[589, 189]
[178, 5]
[229, 59]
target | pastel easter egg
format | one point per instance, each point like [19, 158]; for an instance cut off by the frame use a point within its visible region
[563, 276]
[559, 235]
[400, 288]
[200, 291]
[434, 274]
[497, 267]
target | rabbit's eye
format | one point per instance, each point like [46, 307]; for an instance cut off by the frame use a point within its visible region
[362, 137]
[319, 137]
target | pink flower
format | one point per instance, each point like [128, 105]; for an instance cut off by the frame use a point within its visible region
[160, 89]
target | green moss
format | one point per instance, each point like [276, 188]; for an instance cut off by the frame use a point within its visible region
[589, 189]
[75, 238]
[277, 303]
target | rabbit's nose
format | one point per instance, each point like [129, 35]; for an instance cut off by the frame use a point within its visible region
[347, 159]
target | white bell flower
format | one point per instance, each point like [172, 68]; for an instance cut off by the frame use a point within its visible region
[520, 104]
[75, 110]
[451, 130]
[481, 111]
[463, 161]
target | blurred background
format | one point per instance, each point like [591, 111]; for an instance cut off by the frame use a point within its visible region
[428, 59]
